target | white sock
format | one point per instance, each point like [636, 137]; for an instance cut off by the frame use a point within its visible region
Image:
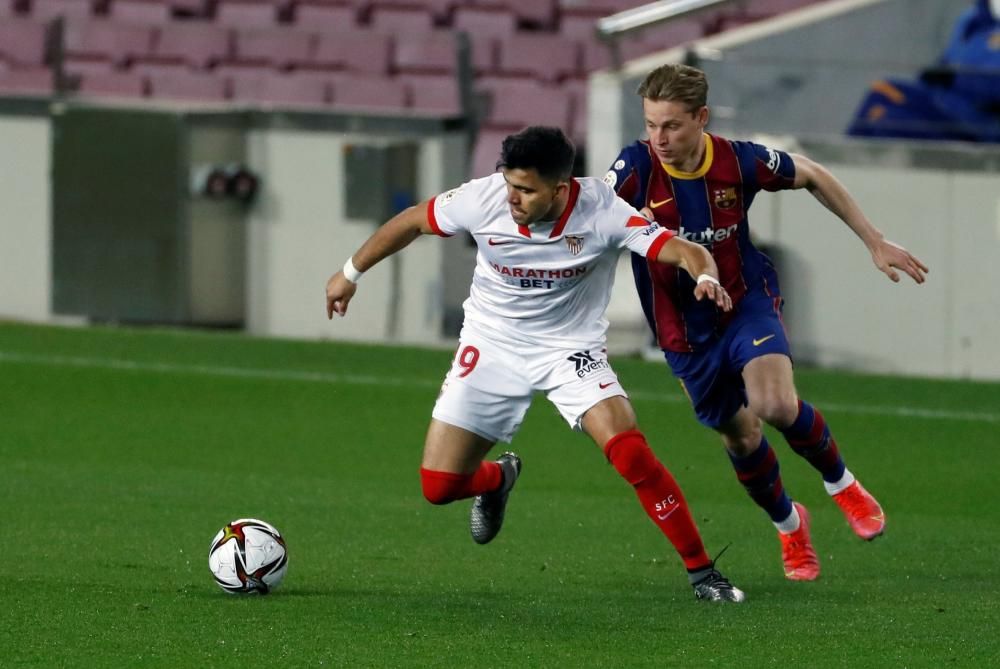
[839, 486]
[790, 524]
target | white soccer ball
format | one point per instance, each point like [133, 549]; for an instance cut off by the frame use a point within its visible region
[248, 555]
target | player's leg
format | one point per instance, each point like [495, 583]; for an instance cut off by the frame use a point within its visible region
[596, 404]
[483, 400]
[757, 469]
[771, 393]
[453, 467]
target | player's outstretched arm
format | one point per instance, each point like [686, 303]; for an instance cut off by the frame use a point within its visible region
[698, 262]
[394, 235]
[831, 193]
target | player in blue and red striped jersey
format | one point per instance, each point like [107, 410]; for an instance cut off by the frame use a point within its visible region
[736, 367]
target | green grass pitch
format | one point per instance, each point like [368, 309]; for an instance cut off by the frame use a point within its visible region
[123, 451]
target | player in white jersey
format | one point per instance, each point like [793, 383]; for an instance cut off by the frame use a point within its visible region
[534, 322]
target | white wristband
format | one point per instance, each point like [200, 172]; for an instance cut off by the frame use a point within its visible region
[351, 273]
[708, 277]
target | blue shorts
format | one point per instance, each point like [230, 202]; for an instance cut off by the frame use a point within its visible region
[713, 378]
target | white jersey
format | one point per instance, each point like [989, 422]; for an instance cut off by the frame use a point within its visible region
[548, 283]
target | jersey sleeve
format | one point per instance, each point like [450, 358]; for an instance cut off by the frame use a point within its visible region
[628, 229]
[626, 179]
[769, 169]
[454, 210]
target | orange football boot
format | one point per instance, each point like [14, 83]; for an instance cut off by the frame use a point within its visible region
[797, 553]
[863, 512]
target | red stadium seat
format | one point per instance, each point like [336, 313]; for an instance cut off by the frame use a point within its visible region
[199, 45]
[246, 13]
[22, 41]
[292, 89]
[112, 84]
[110, 41]
[431, 52]
[433, 94]
[546, 58]
[280, 47]
[44, 10]
[358, 51]
[369, 93]
[35, 81]
[183, 85]
[396, 20]
[482, 22]
[486, 152]
[515, 103]
[535, 14]
[146, 12]
[321, 15]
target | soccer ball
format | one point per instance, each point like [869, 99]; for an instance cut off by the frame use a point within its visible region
[248, 555]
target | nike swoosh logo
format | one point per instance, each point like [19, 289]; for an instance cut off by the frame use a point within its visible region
[602, 386]
[493, 242]
[667, 514]
[758, 342]
[654, 205]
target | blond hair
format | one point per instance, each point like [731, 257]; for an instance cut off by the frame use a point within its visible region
[676, 83]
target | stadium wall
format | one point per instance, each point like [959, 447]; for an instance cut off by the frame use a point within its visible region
[25, 232]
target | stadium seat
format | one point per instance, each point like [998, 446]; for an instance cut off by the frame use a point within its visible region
[321, 15]
[45, 10]
[191, 8]
[107, 41]
[433, 94]
[246, 13]
[292, 89]
[22, 41]
[484, 22]
[26, 81]
[430, 52]
[531, 14]
[398, 20]
[145, 12]
[7, 8]
[112, 84]
[515, 103]
[181, 85]
[544, 57]
[486, 152]
[199, 45]
[280, 47]
[580, 22]
[365, 92]
[358, 50]
[440, 10]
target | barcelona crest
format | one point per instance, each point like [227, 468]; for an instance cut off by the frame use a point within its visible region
[725, 198]
[574, 243]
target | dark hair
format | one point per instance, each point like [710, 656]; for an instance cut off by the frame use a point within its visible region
[543, 148]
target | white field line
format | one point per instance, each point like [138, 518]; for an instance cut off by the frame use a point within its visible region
[365, 380]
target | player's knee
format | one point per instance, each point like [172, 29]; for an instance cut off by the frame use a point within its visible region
[441, 487]
[631, 456]
[777, 411]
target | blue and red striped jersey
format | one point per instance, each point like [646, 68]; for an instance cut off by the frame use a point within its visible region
[708, 206]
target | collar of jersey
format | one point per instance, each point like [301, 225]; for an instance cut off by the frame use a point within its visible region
[574, 193]
[706, 163]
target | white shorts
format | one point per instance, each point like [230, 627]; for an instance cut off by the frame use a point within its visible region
[490, 384]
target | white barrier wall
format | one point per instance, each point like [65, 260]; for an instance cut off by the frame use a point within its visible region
[299, 235]
[25, 219]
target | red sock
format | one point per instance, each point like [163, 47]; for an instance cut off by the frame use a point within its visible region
[444, 487]
[659, 495]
